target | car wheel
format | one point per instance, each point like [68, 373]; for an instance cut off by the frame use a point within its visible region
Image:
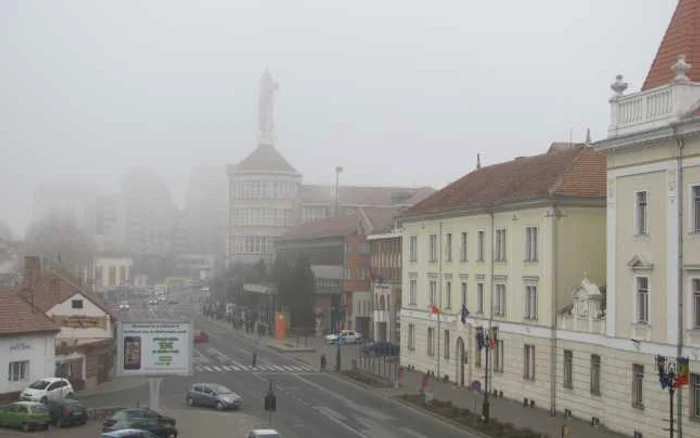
[190, 401]
[26, 427]
[44, 399]
[171, 435]
[59, 423]
[219, 406]
[69, 395]
[46, 426]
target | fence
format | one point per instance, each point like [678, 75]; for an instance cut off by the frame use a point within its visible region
[385, 367]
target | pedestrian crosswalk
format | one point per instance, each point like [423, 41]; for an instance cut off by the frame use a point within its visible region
[219, 368]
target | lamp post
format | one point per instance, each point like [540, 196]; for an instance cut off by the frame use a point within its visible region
[338, 170]
[673, 374]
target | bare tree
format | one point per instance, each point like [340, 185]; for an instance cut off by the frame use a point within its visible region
[59, 239]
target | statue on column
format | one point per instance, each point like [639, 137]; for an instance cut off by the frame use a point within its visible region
[266, 109]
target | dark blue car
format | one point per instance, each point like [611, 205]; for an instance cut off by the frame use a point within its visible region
[381, 348]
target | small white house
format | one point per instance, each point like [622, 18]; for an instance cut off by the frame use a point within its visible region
[26, 344]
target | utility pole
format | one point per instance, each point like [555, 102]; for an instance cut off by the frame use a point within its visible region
[681, 331]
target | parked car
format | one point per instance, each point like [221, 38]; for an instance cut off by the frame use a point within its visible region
[66, 412]
[201, 336]
[120, 419]
[25, 415]
[124, 305]
[380, 348]
[264, 433]
[153, 426]
[213, 395]
[345, 337]
[49, 388]
[128, 433]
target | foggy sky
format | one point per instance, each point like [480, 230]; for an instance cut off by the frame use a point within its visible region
[397, 92]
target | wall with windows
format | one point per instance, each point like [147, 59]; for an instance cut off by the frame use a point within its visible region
[80, 319]
[110, 272]
[24, 359]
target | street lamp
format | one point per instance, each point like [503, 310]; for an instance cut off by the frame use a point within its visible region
[673, 374]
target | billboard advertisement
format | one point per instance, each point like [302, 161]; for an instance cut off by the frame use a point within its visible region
[155, 348]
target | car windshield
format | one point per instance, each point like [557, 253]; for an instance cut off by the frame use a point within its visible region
[219, 389]
[39, 384]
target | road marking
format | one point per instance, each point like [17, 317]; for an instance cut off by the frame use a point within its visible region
[235, 367]
[207, 368]
[216, 368]
[338, 419]
[225, 367]
[408, 431]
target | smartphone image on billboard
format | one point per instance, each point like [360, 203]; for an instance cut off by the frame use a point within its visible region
[132, 352]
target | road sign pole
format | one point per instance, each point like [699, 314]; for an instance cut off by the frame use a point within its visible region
[154, 392]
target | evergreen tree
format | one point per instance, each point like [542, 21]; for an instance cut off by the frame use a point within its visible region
[282, 278]
[304, 288]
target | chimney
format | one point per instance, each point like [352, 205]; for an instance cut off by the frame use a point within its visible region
[32, 270]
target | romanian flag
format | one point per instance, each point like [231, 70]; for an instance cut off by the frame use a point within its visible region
[683, 373]
[492, 339]
[434, 308]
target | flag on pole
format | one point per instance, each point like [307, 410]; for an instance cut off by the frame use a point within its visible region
[683, 372]
[492, 339]
[434, 308]
[465, 313]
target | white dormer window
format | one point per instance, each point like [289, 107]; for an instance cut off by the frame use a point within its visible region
[76, 304]
[641, 208]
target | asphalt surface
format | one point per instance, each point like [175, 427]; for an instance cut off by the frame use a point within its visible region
[309, 403]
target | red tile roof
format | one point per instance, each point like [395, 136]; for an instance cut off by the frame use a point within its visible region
[265, 158]
[17, 316]
[368, 218]
[682, 38]
[575, 172]
[45, 299]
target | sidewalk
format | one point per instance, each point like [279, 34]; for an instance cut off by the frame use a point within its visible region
[117, 384]
[290, 345]
[504, 410]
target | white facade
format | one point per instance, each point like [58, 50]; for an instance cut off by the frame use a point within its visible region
[80, 321]
[25, 358]
[111, 272]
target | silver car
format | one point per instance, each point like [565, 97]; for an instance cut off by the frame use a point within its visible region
[213, 395]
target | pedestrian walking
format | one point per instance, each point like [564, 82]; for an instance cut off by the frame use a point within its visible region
[323, 362]
[255, 357]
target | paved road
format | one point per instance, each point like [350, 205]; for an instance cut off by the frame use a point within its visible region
[309, 403]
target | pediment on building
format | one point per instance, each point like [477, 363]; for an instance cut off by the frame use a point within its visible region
[587, 300]
[639, 263]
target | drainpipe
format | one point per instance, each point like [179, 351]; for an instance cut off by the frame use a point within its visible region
[679, 348]
[439, 313]
[485, 409]
[553, 334]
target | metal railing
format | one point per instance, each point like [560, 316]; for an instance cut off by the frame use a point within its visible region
[384, 367]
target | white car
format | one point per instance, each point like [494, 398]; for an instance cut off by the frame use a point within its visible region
[124, 305]
[264, 433]
[50, 388]
[346, 337]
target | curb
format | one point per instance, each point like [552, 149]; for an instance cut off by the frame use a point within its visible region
[291, 351]
[82, 396]
[256, 338]
[439, 417]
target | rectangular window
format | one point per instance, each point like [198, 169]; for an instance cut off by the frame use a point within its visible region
[412, 291]
[531, 244]
[568, 369]
[413, 249]
[481, 241]
[446, 344]
[448, 295]
[500, 249]
[641, 199]
[112, 275]
[695, 396]
[595, 374]
[411, 337]
[530, 302]
[76, 304]
[638, 386]
[431, 341]
[500, 300]
[463, 248]
[480, 298]
[464, 293]
[122, 274]
[498, 357]
[529, 363]
[448, 247]
[696, 302]
[643, 300]
[18, 371]
[433, 248]
[433, 292]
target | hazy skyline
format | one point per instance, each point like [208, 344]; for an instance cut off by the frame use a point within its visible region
[398, 93]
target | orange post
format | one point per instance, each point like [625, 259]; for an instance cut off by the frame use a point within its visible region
[281, 326]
